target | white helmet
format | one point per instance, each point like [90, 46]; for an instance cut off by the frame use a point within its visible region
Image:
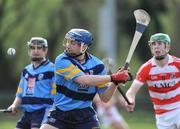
[38, 41]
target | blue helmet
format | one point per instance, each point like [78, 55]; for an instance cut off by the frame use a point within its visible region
[80, 35]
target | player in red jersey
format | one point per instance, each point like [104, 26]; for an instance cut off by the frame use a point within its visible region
[162, 75]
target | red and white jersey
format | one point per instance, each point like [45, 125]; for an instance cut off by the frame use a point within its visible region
[163, 83]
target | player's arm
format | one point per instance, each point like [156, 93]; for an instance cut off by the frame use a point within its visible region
[71, 72]
[106, 96]
[131, 94]
[92, 79]
[18, 100]
[13, 107]
[96, 80]
[119, 100]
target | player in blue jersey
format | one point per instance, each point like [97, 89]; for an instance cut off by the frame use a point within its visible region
[36, 88]
[79, 76]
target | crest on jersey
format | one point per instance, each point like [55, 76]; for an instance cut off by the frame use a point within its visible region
[40, 76]
[26, 76]
[172, 75]
[30, 85]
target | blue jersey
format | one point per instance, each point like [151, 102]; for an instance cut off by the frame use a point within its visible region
[36, 87]
[71, 95]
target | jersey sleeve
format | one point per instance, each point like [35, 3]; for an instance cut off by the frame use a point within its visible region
[53, 87]
[103, 87]
[142, 74]
[20, 87]
[67, 70]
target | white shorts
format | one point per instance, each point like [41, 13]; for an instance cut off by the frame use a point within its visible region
[169, 120]
[108, 116]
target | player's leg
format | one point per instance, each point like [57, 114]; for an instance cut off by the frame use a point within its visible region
[88, 125]
[161, 126]
[23, 122]
[104, 117]
[167, 120]
[177, 122]
[54, 120]
[117, 121]
[47, 112]
[93, 123]
[37, 118]
[85, 118]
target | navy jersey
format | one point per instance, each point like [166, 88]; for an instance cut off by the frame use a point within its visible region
[36, 87]
[71, 95]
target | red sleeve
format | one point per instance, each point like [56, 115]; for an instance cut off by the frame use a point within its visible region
[143, 72]
[176, 62]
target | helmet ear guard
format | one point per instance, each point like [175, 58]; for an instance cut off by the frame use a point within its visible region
[38, 41]
[84, 47]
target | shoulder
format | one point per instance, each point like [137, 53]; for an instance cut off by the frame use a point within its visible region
[95, 59]
[50, 65]
[146, 66]
[50, 62]
[97, 65]
[28, 67]
[63, 61]
[60, 57]
[175, 59]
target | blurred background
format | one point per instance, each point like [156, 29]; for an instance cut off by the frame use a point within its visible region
[112, 24]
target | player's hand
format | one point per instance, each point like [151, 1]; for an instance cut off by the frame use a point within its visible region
[130, 107]
[130, 78]
[13, 109]
[120, 77]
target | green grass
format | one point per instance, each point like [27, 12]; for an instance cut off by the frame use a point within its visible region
[140, 120]
[7, 121]
[136, 120]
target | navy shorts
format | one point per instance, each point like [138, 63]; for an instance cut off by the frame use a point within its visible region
[31, 119]
[75, 119]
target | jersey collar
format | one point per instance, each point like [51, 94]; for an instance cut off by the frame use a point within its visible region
[170, 60]
[45, 62]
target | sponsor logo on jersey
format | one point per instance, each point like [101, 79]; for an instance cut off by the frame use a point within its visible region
[165, 84]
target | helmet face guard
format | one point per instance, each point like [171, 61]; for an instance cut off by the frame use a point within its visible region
[164, 38]
[39, 41]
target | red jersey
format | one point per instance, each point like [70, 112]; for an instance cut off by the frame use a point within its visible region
[163, 83]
